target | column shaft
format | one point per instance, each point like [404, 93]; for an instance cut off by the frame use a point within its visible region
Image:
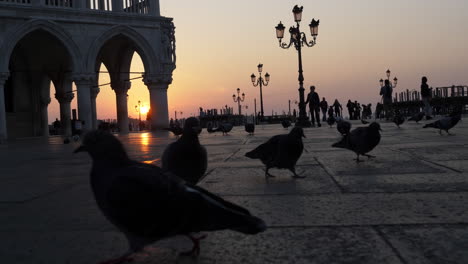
[3, 126]
[159, 106]
[120, 88]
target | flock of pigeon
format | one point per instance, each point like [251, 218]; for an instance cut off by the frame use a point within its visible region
[148, 203]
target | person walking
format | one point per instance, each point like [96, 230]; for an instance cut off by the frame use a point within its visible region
[350, 107]
[386, 92]
[338, 108]
[313, 100]
[324, 107]
[426, 98]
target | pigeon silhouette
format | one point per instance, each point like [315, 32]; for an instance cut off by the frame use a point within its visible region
[147, 204]
[210, 128]
[398, 119]
[286, 123]
[417, 117]
[343, 126]
[364, 122]
[186, 158]
[280, 151]
[361, 140]
[445, 123]
[250, 128]
[331, 120]
[176, 130]
[225, 128]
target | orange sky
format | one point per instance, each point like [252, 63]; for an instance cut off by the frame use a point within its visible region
[219, 47]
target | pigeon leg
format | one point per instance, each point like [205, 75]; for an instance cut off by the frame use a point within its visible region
[295, 174]
[196, 246]
[440, 132]
[357, 159]
[122, 259]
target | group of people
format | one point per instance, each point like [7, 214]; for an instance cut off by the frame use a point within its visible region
[315, 105]
[358, 111]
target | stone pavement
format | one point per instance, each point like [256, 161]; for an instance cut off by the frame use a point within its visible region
[408, 205]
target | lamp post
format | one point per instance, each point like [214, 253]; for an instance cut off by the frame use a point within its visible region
[238, 99]
[299, 39]
[395, 80]
[260, 82]
[138, 109]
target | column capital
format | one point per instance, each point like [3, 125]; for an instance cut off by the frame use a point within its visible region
[84, 78]
[121, 87]
[65, 97]
[157, 79]
[45, 101]
[94, 92]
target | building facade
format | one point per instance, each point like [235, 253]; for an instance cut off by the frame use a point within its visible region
[65, 42]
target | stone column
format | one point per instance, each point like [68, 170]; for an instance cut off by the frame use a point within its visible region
[3, 125]
[45, 101]
[154, 8]
[65, 112]
[157, 85]
[120, 88]
[84, 83]
[94, 93]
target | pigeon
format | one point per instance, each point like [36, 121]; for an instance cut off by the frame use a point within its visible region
[177, 130]
[331, 120]
[343, 126]
[286, 123]
[225, 128]
[186, 158]
[148, 204]
[398, 119]
[361, 140]
[210, 128]
[250, 128]
[280, 151]
[445, 123]
[364, 122]
[417, 117]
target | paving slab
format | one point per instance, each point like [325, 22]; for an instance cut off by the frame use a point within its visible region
[408, 205]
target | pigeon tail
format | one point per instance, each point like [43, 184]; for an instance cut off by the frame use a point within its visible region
[253, 154]
[343, 143]
[250, 225]
[430, 125]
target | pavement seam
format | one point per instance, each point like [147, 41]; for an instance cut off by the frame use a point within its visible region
[344, 193]
[342, 189]
[67, 187]
[387, 241]
[230, 156]
[426, 160]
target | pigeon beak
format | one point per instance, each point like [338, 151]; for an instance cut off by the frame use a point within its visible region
[303, 135]
[80, 149]
[380, 129]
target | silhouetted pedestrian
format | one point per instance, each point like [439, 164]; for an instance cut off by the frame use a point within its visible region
[313, 100]
[324, 107]
[426, 98]
[386, 92]
[338, 108]
[350, 107]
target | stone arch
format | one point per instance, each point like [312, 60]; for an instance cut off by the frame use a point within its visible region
[14, 35]
[142, 47]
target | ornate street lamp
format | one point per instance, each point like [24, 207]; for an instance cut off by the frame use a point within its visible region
[299, 39]
[260, 82]
[238, 99]
[395, 80]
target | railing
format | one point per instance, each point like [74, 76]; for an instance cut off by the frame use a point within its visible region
[128, 6]
[21, 2]
[443, 99]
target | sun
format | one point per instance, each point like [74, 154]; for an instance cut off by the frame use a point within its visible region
[144, 110]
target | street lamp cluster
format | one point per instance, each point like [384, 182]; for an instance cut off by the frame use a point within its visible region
[299, 39]
[238, 99]
[395, 80]
[260, 82]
